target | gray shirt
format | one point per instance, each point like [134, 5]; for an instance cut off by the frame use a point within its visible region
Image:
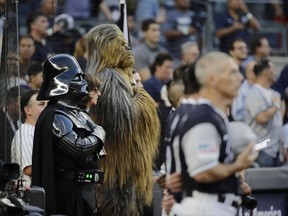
[145, 55]
[238, 107]
[258, 100]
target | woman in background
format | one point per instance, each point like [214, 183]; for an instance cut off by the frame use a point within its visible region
[94, 93]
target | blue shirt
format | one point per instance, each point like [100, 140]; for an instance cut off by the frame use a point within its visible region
[179, 20]
[147, 9]
[153, 86]
[42, 52]
[225, 20]
[78, 9]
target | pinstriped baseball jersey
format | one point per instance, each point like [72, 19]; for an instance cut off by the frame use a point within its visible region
[22, 145]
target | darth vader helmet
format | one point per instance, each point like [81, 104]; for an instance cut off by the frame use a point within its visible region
[62, 75]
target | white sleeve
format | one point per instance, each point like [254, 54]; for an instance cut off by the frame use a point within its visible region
[201, 148]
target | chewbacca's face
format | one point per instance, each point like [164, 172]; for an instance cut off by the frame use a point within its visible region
[121, 52]
[107, 48]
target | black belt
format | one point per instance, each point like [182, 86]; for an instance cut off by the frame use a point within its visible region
[222, 199]
[81, 176]
[234, 203]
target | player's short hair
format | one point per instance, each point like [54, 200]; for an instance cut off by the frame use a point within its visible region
[208, 64]
[25, 99]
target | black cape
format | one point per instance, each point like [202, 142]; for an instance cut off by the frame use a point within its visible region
[42, 156]
[63, 196]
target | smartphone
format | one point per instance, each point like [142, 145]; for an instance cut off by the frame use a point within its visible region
[261, 145]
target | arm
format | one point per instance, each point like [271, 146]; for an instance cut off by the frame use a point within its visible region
[28, 170]
[106, 11]
[259, 109]
[71, 142]
[203, 142]
[161, 17]
[277, 7]
[223, 28]
[174, 182]
[222, 32]
[265, 116]
[253, 22]
[245, 188]
[222, 171]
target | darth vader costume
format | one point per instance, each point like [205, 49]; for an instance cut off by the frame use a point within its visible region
[67, 144]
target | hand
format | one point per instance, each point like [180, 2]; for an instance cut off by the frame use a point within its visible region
[276, 101]
[238, 26]
[174, 182]
[245, 188]
[167, 202]
[161, 180]
[246, 158]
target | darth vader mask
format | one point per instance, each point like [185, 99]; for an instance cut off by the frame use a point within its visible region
[62, 75]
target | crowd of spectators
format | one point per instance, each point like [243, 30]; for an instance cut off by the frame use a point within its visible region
[179, 21]
[165, 36]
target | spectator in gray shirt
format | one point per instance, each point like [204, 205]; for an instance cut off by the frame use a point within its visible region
[146, 52]
[239, 106]
[263, 112]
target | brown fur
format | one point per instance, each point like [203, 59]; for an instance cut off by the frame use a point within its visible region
[130, 120]
[106, 49]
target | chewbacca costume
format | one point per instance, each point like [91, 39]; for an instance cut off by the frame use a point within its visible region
[129, 117]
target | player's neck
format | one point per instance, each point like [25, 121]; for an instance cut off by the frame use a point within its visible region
[217, 99]
[30, 121]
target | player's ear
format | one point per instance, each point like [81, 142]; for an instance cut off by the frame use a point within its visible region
[27, 110]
